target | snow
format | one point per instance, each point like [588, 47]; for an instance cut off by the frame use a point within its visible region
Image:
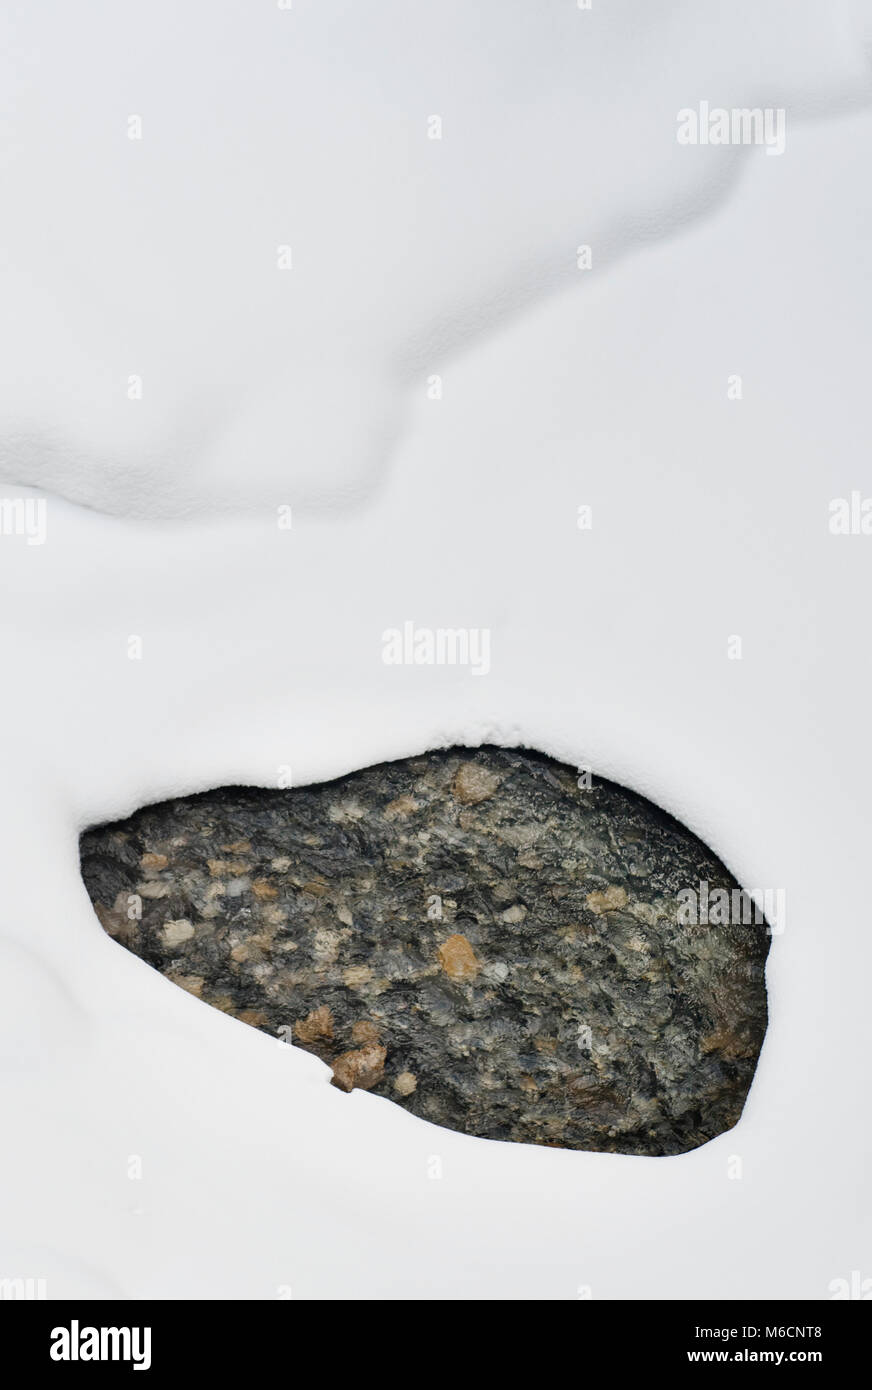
[262, 647]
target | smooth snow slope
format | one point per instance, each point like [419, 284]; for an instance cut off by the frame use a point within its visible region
[261, 647]
[160, 163]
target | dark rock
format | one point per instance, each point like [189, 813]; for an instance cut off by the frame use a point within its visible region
[469, 933]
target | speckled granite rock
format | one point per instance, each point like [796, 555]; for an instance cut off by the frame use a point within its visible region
[466, 932]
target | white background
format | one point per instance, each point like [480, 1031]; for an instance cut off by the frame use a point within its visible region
[262, 647]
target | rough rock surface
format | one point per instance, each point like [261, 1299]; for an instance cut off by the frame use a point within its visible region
[469, 933]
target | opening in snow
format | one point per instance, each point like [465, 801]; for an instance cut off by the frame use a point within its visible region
[495, 942]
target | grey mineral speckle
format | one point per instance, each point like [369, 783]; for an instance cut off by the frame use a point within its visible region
[468, 933]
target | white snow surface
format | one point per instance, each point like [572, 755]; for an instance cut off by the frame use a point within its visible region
[262, 647]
